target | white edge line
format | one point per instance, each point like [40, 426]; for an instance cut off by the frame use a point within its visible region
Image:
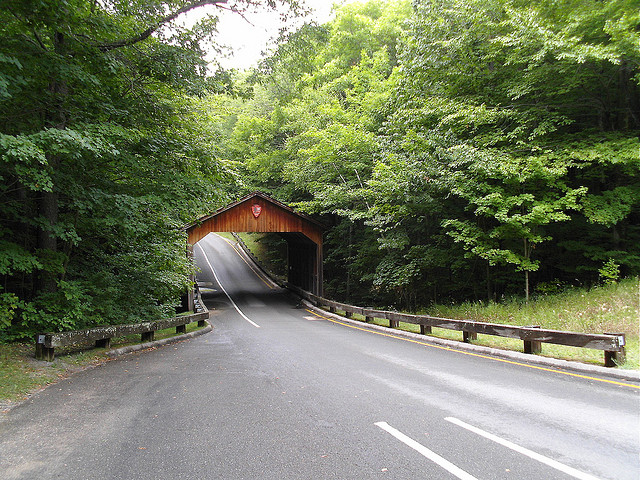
[434, 457]
[225, 292]
[524, 451]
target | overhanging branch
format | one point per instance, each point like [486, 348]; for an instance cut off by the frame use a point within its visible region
[105, 47]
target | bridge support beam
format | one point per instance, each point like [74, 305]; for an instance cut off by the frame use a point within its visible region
[191, 296]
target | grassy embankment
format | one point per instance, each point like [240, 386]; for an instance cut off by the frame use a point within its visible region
[21, 374]
[604, 309]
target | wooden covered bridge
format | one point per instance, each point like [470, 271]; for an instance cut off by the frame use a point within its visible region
[260, 213]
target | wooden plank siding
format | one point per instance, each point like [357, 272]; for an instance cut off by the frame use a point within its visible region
[238, 217]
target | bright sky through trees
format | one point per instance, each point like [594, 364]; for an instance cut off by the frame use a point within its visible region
[248, 40]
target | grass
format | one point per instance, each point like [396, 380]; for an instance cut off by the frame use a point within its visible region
[610, 308]
[21, 374]
[226, 235]
[606, 309]
[576, 354]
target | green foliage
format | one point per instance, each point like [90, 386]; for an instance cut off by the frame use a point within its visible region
[308, 135]
[503, 107]
[458, 149]
[104, 155]
[610, 272]
[26, 160]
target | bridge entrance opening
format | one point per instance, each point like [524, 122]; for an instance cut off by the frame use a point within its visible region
[260, 213]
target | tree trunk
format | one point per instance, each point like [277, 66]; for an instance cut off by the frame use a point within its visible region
[349, 261]
[488, 282]
[627, 117]
[48, 206]
[48, 209]
[527, 255]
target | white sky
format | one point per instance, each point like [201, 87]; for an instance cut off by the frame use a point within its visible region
[248, 41]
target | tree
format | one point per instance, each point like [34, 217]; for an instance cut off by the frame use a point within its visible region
[529, 195]
[507, 87]
[102, 158]
[313, 143]
[482, 147]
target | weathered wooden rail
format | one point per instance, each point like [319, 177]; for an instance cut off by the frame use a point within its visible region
[46, 343]
[533, 337]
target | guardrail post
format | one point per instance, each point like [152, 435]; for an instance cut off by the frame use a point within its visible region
[181, 329]
[42, 352]
[424, 329]
[202, 323]
[468, 336]
[332, 309]
[48, 354]
[615, 358]
[367, 318]
[532, 346]
[147, 336]
[348, 314]
[40, 347]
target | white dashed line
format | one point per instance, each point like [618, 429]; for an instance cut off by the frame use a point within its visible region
[524, 451]
[434, 457]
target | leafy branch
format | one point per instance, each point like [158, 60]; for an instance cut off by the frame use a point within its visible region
[105, 47]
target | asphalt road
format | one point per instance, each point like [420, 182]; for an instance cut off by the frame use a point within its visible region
[277, 392]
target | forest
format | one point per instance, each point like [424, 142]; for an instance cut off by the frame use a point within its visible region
[457, 150]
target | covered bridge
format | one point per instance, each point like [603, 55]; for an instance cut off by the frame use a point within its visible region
[258, 212]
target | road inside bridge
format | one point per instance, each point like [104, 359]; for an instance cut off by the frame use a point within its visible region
[278, 392]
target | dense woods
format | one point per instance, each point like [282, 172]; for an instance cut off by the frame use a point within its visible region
[458, 150]
[103, 159]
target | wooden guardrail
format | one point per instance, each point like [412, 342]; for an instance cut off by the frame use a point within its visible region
[47, 342]
[612, 344]
[533, 337]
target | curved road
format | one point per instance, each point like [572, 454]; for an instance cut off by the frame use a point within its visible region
[277, 392]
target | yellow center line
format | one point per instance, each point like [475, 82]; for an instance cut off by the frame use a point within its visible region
[479, 355]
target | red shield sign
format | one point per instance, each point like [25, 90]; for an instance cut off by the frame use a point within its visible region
[256, 210]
